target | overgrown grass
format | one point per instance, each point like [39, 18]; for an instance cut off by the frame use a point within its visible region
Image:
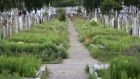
[105, 43]
[48, 41]
[122, 67]
[23, 66]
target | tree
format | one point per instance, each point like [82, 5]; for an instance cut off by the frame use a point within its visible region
[6, 4]
[22, 4]
[64, 3]
[91, 5]
[108, 5]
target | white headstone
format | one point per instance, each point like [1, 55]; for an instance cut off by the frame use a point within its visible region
[21, 23]
[119, 25]
[134, 28]
[16, 23]
[113, 22]
[126, 22]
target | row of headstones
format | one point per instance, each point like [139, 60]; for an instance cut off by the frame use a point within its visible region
[71, 10]
[129, 9]
[123, 22]
[18, 22]
[14, 21]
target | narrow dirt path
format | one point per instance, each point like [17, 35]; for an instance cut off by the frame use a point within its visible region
[79, 57]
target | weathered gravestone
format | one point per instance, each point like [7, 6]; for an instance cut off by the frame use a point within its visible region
[126, 23]
[134, 27]
[113, 22]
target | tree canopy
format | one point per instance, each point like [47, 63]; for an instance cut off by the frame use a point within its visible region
[22, 4]
[64, 3]
[90, 5]
[108, 5]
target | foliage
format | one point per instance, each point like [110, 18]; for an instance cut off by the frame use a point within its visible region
[23, 65]
[5, 75]
[93, 22]
[22, 4]
[61, 15]
[105, 43]
[91, 76]
[108, 5]
[124, 68]
[90, 5]
[64, 3]
[100, 72]
[42, 40]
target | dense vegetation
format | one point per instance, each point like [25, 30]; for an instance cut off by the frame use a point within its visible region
[64, 3]
[106, 43]
[61, 15]
[123, 67]
[48, 41]
[108, 5]
[117, 48]
[16, 67]
[35, 4]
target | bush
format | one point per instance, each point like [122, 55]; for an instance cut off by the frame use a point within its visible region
[93, 22]
[61, 15]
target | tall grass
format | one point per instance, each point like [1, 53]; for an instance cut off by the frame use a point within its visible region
[105, 43]
[24, 66]
[48, 41]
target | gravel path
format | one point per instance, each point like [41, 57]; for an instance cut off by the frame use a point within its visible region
[79, 57]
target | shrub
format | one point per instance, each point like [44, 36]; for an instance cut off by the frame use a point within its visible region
[93, 22]
[61, 15]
